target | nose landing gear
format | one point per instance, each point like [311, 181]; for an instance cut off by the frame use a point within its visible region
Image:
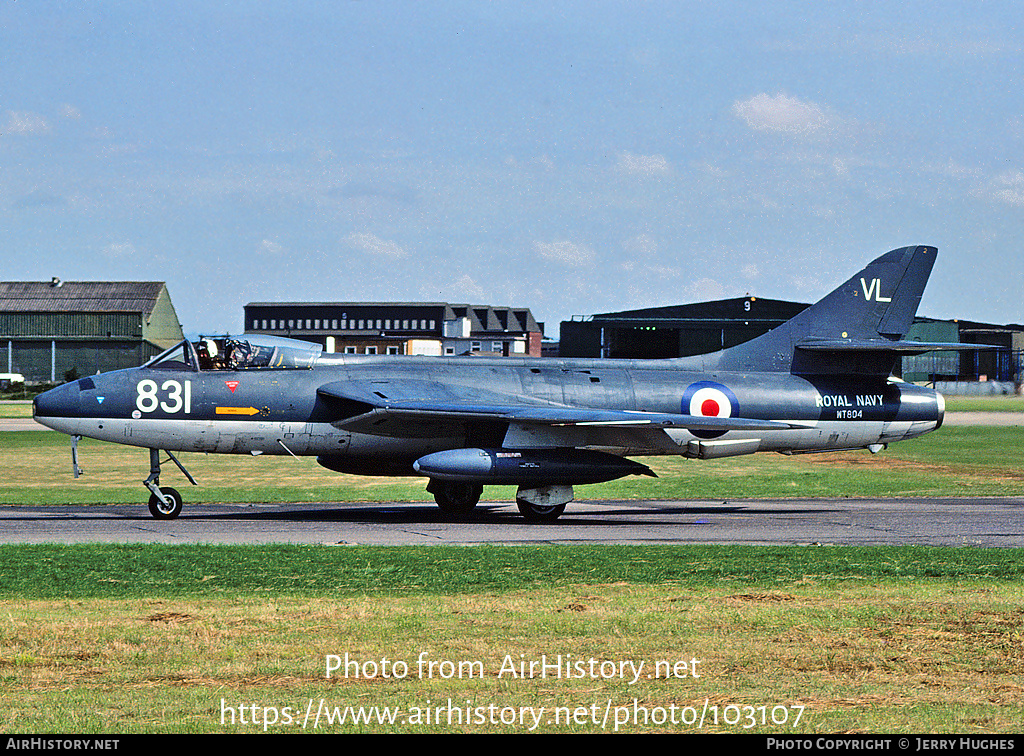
[165, 503]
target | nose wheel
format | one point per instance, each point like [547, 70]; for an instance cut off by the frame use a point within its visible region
[167, 506]
[165, 502]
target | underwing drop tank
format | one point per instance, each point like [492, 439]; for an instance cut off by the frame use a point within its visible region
[528, 466]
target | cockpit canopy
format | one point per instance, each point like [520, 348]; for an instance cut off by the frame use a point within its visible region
[245, 352]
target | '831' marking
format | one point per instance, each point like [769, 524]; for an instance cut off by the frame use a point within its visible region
[172, 396]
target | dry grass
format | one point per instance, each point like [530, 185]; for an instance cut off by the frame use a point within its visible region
[941, 659]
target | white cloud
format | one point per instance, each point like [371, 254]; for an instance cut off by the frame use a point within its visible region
[952, 169]
[966, 46]
[706, 290]
[782, 114]
[25, 122]
[467, 288]
[643, 165]
[541, 162]
[374, 245]
[641, 245]
[565, 252]
[271, 247]
[1009, 188]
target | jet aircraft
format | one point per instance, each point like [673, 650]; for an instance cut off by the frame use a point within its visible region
[819, 382]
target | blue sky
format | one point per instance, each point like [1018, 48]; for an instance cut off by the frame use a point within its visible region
[571, 157]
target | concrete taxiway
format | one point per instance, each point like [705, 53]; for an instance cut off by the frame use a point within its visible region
[996, 522]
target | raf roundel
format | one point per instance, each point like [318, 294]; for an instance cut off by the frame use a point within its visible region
[709, 399]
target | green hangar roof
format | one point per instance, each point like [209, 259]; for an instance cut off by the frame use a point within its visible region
[50, 327]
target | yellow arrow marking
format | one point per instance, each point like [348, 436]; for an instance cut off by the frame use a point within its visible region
[237, 411]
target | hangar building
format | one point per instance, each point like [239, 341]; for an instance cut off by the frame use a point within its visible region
[52, 328]
[429, 328]
[1002, 364]
[674, 331]
[703, 327]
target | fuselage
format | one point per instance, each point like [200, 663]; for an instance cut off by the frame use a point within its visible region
[277, 410]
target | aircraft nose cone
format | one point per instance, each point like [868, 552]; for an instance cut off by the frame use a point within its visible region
[57, 403]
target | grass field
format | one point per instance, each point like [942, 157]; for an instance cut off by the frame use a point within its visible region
[121, 639]
[18, 409]
[984, 403]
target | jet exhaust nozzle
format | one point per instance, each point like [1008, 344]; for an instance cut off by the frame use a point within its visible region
[527, 466]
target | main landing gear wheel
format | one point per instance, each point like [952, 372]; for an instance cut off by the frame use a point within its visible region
[165, 510]
[544, 503]
[455, 499]
[539, 512]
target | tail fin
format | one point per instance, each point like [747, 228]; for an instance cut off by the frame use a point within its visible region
[858, 329]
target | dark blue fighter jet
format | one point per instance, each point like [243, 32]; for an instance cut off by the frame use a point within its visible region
[820, 382]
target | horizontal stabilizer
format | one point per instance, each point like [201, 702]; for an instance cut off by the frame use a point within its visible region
[884, 345]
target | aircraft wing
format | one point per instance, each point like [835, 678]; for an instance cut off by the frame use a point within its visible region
[405, 407]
